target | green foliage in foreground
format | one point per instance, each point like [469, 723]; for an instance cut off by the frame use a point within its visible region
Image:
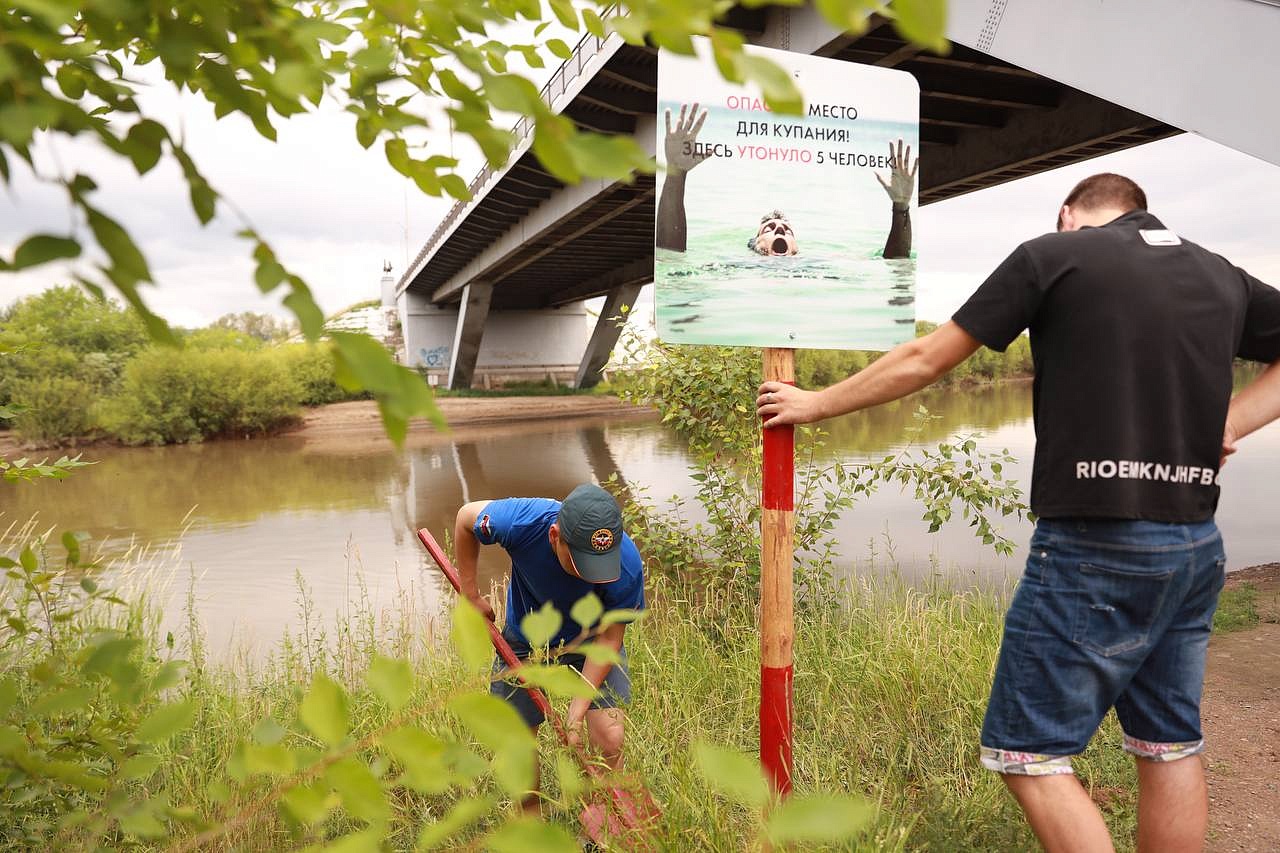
[108, 738]
[1237, 609]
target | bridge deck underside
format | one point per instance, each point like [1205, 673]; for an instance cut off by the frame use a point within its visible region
[983, 122]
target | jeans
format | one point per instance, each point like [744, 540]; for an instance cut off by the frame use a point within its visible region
[1109, 613]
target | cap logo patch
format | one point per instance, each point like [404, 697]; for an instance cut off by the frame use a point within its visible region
[602, 540]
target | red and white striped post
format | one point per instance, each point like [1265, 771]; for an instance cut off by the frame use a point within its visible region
[777, 631]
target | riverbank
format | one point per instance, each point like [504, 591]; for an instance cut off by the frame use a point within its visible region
[359, 423]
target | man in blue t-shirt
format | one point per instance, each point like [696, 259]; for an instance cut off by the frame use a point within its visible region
[560, 552]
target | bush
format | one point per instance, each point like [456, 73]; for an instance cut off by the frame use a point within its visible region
[311, 367]
[55, 408]
[170, 396]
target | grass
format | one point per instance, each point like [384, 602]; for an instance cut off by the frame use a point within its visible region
[890, 688]
[1237, 609]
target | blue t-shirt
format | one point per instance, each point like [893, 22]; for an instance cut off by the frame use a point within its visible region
[520, 526]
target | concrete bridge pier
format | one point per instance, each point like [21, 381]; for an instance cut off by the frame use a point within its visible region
[473, 313]
[607, 330]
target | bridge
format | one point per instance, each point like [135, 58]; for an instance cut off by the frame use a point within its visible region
[1026, 87]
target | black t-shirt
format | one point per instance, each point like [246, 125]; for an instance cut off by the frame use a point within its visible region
[1133, 333]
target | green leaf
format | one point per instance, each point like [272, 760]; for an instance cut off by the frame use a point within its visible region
[612, 157]
[586, 610]
[423, 758]
[599, 653]
[498, 727]
[8, 695]
[140, 766]
[558, 680]
[143, 144]
[923, 22]
[565, 13]
[71, 699]
[470, 635]
[818, 819]
[569, 777]
[168, 675]
[41, 249]
[623, 615]
[166, 721]
[541, 625]
[464, 813]
[559, 49]
[324, 710]
[591, 20]
[273, 759]
[364, 841]
[113, 659]
[513, 93]
[268, 732]
[732, 774]
[392, 680]
[778, 87]
[361, 792]
[551, 148]
[308, 804]
[530, 835]
[119, 246]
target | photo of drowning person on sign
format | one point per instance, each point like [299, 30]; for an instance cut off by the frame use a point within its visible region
[827, 264]
[775, 236]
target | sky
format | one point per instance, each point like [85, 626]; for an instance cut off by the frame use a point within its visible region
[334, 211]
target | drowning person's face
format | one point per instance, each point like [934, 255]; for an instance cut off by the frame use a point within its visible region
[775, 237]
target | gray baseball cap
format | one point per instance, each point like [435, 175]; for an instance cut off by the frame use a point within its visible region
[591, 525]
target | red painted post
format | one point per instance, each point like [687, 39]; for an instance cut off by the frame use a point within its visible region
[777, 529]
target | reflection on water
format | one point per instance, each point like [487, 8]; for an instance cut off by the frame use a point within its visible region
[259, 513]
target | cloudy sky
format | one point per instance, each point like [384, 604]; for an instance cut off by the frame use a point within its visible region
[334, 211]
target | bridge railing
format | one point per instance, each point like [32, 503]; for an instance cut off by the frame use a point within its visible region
[555, 87]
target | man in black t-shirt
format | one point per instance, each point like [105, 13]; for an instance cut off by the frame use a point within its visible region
[1133, 335]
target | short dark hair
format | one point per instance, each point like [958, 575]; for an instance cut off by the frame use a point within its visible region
[1105, 190]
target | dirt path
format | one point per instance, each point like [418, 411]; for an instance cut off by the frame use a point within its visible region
[1242, 725]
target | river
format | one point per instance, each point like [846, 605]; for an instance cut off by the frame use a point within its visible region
[243, 526]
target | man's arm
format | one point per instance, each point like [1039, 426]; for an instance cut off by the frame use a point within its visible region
[466, 550]
[1253, 408]
[900, 187]
[903, 370]
[672, 229]
[595, 673]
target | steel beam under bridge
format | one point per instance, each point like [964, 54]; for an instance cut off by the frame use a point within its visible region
[984, 121]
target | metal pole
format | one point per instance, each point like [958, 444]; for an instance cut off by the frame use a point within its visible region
[777, 630]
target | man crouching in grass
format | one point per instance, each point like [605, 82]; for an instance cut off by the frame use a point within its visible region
[560, 552]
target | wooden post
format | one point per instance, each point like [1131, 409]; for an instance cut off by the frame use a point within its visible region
[777, 529]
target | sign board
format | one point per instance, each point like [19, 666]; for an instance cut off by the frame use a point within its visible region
[786, 230]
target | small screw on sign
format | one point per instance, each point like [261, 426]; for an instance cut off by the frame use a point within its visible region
[791, 335]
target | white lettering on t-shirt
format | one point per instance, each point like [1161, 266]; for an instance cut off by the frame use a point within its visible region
[1133, 469]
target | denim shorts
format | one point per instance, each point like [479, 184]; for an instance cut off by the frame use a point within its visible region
[1110, 613]
[614, 692]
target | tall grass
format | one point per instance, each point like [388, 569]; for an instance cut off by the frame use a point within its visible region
[890, 686]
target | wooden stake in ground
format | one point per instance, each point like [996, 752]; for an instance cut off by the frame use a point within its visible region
[777, 529]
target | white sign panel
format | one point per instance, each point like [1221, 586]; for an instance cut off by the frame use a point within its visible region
[786, 231]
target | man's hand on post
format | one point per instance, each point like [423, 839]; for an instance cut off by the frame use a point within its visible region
[782, 404]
